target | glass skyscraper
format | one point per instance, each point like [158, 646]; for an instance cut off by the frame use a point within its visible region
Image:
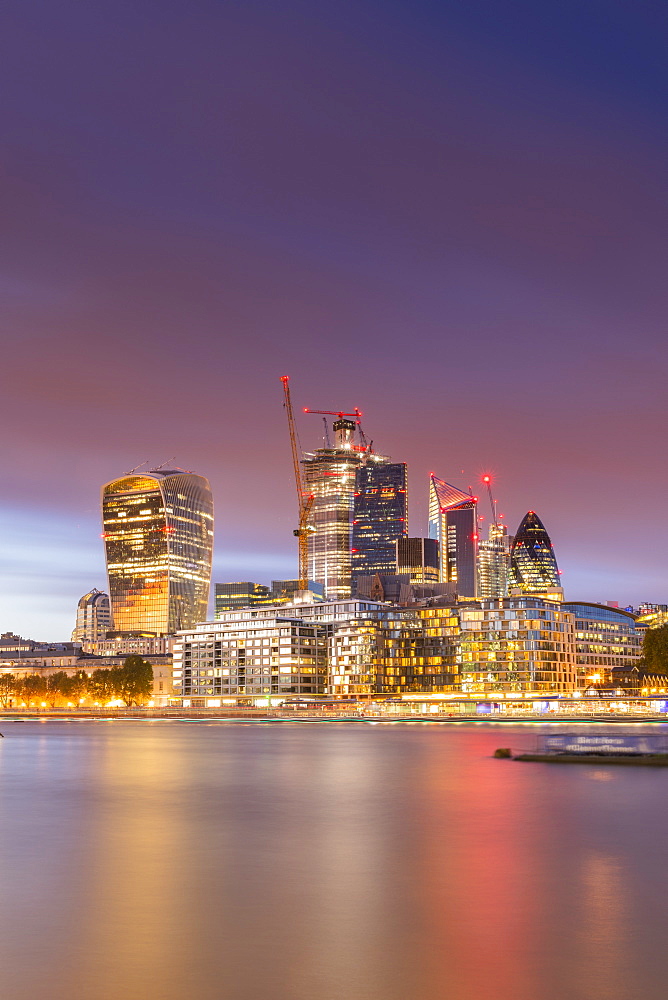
[329, 475]
[453, 522]
[533, 564]
[380, 517]
[158, 535]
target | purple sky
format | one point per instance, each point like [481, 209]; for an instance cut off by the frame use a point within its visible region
[452, 218]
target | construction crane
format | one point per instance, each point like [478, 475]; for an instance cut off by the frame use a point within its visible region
[337, 413]
[487, 480]
[304, 502]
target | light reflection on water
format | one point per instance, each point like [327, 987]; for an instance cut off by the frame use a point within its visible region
[171, 861]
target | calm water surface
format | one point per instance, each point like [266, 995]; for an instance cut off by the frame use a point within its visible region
[169, 860]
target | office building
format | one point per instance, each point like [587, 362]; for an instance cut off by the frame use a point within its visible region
[380, 517]
[606, 639]
[532, 561]
[518, 644]
[419, 558]
[494, 562]
[93, 617]
[231, 596]
[453, 523]
[285, 590]
[158, 533]
[329, 474]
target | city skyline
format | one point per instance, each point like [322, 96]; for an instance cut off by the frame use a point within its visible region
[450, 216]
[283, 555]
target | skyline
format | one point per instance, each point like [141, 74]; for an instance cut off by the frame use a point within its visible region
[90, 549]
[453, 218]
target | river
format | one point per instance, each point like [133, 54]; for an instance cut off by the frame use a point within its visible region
[222, 861]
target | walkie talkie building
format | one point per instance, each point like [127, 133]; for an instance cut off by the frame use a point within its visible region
[158, 538]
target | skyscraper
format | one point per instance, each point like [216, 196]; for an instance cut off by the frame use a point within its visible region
[533, 564]
[93, 617]
[419, 558]
[494, 562]
[158, 533]
[330, 475]
[380, 517]
[453, 523]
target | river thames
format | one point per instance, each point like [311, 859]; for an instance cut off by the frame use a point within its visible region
[213, 861]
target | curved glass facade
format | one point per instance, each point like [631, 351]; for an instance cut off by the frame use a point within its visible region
[158, 533]
[532, 561]
[607, 639]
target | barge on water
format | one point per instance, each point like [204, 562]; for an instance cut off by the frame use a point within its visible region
[579, 748]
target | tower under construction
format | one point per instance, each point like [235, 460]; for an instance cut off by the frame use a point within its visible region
[329, 475]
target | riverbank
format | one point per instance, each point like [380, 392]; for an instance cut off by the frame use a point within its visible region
[305, 716]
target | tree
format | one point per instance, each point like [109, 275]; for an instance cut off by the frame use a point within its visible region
[32, 688]
[7, 689]
[655, 650]
[135, 679]
[56, 687]
[77, 686]
[102, 685]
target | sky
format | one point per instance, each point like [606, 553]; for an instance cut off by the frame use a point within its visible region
[452, 216]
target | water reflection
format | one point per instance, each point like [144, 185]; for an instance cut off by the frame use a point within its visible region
[176, 861]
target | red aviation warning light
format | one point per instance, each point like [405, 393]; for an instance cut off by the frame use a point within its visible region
[487, 480]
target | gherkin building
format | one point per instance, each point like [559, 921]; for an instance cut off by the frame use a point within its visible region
[532, 560]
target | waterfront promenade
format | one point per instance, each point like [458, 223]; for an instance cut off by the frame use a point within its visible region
[561, 714]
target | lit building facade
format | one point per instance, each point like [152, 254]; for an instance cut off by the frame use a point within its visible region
[250, 656]
[651, 616]
[419, 558]
[532, 560]
[129, 644]
[606, 639]
[329, 474]
[158, 533]
[518, 644]
[348, 648]
[380, 516]
[232, 596]
[285, 590]
[453, 522]
[494, 563]
[93, 617]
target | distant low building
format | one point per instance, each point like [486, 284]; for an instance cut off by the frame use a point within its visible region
[129, 644]
[246, 594]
